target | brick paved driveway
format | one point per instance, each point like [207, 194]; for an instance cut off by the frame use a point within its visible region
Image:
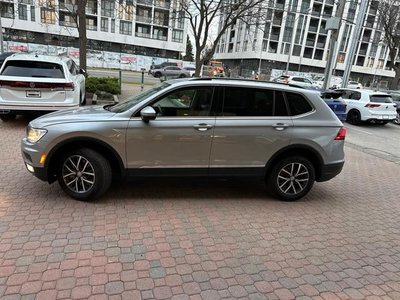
[200, 239]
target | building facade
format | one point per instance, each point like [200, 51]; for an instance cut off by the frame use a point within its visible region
[293, 36]
[143, 27]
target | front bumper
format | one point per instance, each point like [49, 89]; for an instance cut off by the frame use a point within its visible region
[38, 172]
[330, 171]
[31, 154]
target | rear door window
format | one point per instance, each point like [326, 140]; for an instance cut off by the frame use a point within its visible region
[298, 105]
[32, 69]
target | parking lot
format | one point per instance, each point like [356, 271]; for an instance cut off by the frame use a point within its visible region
[202, 239]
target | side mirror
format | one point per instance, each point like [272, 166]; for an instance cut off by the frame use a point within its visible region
[82, 71]
[148, 113]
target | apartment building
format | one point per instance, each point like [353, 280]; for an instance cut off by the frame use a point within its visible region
[293, 35]
[143, 27]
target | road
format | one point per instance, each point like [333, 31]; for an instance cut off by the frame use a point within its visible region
[127, 76]
[378, 140]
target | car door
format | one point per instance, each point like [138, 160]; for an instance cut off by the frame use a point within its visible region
[179, 139]
[252, 124]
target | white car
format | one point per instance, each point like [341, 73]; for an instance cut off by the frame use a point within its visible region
[354, 85]
[297, 80]
[368, 106]
[335, 82]
[191, 70]
[39, 83]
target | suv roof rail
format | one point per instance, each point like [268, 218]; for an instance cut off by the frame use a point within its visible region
[246, 79]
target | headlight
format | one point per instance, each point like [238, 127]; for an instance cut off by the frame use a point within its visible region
[33, 135]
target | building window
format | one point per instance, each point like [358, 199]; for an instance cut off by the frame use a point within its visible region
[33, 14]
[160, 33]
[66, 19]
[104, 24]
[47, 15]
[177, 36]
[91, 7]
[91, 24]
[7, 10]
[112, 25]
[125, 27]
[22, 12]
[107, 8]
[142, 31]
[30, 2]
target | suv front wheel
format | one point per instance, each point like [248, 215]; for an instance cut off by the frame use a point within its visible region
[291, 178]
[84, 174]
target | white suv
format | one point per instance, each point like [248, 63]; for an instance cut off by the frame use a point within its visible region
[297, 80]
[368, 106]
[39, 83]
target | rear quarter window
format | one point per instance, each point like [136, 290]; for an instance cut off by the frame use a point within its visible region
[33, 69]
[298, 104]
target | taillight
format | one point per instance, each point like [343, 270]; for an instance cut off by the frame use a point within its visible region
[67, 86]
[341, 135]
[371, 105]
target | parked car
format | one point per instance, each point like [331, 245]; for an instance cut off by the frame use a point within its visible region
[354, 85]
[198, 127]
[170, 72]
[163, 65]
[335, 82]
[294, 79]
[39, 83]
[336, 103]
[396, 99]
[368, 106]
[191, 70]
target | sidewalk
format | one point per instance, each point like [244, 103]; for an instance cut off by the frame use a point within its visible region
[129, 90]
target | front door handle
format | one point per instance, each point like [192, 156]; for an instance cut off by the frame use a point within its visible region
[203, 127]
[280, 126]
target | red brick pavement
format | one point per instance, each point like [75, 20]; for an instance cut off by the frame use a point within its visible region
[192, 239]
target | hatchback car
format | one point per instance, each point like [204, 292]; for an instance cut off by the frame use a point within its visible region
[198, 127]
[39, 83]
[396, 99]
[368, 106]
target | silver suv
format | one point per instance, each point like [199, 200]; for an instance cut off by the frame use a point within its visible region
[198, 127]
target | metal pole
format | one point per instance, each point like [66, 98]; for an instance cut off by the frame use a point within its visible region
[302, 34]
[354, 42]
[1, 32]
[333, 46]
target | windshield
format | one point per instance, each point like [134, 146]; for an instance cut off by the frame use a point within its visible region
[133, 100]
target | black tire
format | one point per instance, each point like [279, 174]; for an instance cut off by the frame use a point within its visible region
[86, 187]
[291, 178]
[353, 117]
[182, 76]
[157, 75]
[8, 117]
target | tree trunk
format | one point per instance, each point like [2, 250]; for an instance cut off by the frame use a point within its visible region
[199, 63]
[82, 33]
[394, 84]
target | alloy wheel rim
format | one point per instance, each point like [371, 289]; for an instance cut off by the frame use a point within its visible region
[78, 174]
[293, 178]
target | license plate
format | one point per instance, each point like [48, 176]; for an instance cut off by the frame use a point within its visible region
[33, 94]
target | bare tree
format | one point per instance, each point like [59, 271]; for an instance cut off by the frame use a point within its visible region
[204, 15]
[389, 16]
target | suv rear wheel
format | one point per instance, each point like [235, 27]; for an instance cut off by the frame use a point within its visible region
[84, 174]
[291, 178]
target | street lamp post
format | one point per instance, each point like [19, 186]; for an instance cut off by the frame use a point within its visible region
[1, 32]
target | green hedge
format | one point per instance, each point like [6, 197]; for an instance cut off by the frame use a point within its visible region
[103, 84]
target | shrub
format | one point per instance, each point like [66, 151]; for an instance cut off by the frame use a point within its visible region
[103, 84]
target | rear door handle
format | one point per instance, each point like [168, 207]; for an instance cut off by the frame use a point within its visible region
[280, 126]
[203, 127]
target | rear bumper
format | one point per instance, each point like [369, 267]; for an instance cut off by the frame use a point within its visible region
[330, 171]
[379, 117]
[22, 109]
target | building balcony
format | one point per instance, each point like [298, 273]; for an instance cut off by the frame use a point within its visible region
[67, 24]
[145, 2]
[91, 27]
[310, 43]
[162, 4]
[143, 19]
[142, 35]
[160, 37]
[162, 22]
